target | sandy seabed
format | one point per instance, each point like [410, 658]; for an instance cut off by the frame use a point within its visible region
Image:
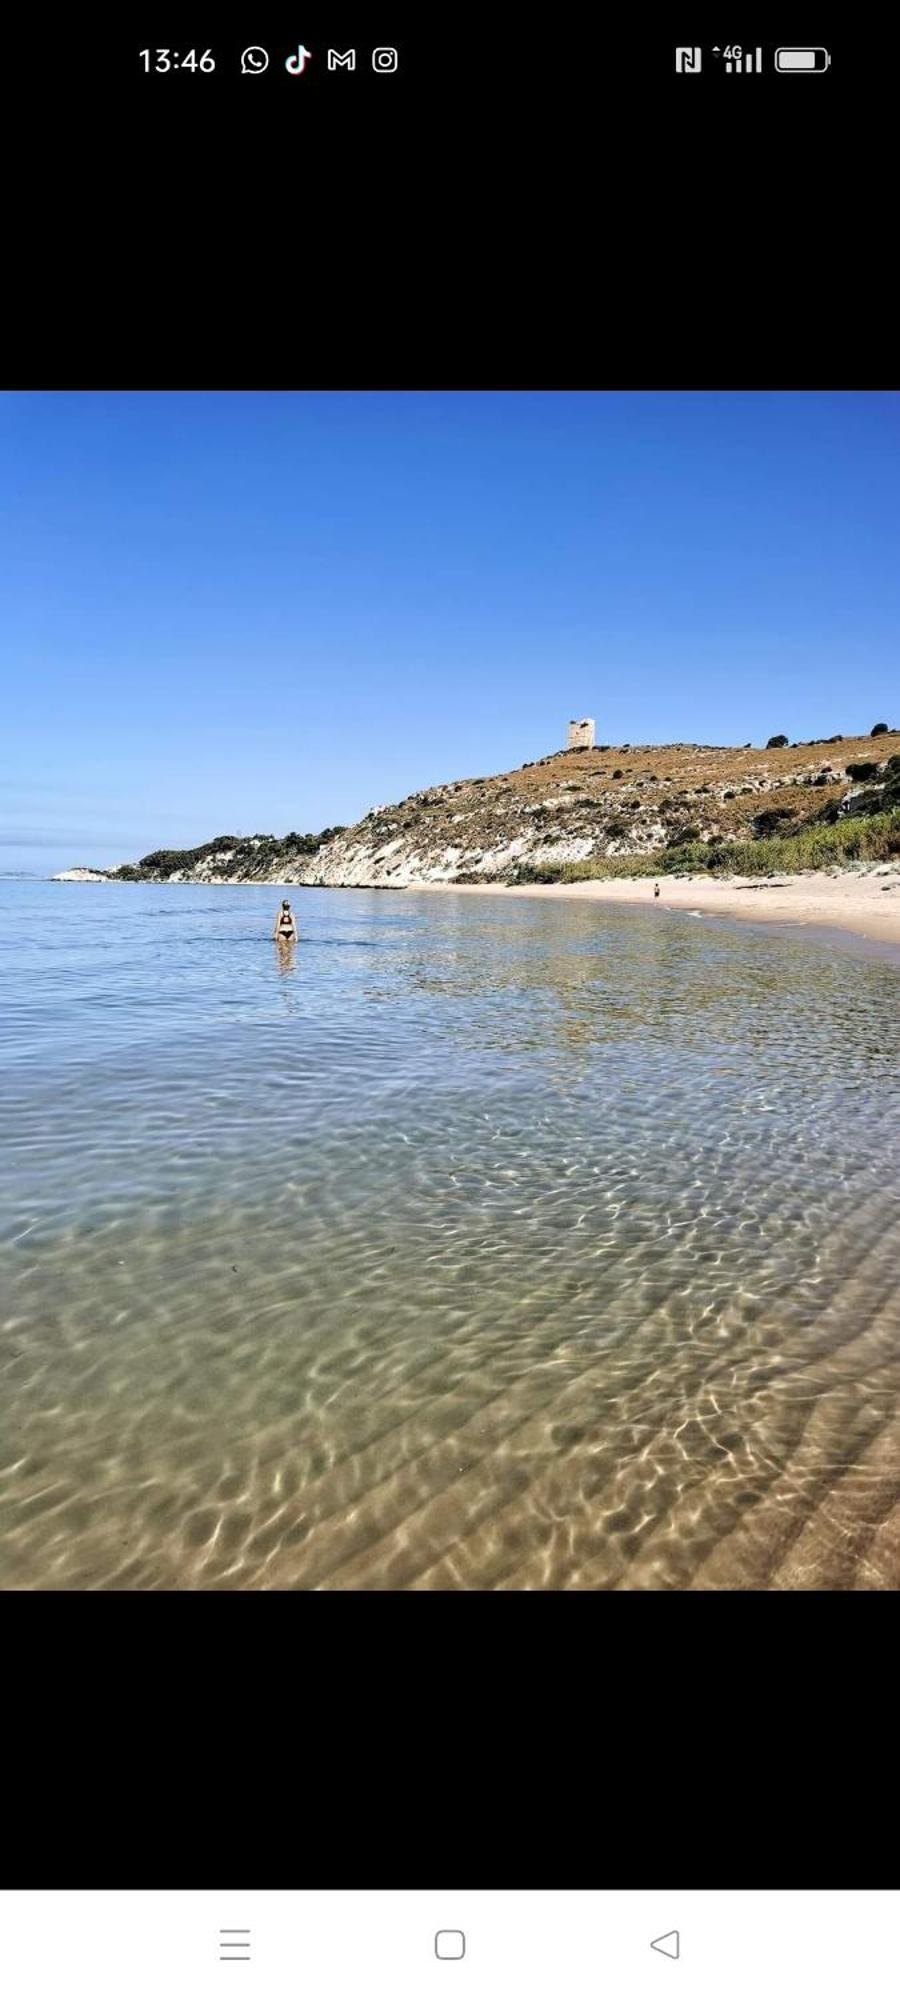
[566, 1262]
[862, 904]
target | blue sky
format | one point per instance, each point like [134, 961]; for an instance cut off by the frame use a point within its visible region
[263, 612]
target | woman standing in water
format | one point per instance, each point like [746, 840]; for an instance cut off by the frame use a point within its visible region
[285, 924]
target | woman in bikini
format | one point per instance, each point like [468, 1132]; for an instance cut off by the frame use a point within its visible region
[285, 924]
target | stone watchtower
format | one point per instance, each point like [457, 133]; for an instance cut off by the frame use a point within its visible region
[580, 735]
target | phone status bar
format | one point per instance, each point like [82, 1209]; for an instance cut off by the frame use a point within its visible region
[255, 61]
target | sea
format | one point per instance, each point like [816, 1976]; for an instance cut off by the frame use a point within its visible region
[471, 1243]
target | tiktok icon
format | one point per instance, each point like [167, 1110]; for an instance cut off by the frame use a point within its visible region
[296, 65]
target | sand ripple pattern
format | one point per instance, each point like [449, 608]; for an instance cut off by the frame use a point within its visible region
[478, 1244]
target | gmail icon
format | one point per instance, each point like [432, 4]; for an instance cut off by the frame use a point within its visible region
[338, 61]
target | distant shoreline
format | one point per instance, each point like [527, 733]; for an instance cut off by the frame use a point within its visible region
[864, 906]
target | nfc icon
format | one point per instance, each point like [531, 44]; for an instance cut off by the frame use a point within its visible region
[345, 61]
[688, 62]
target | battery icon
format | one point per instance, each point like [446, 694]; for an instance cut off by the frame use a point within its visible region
[801, 62]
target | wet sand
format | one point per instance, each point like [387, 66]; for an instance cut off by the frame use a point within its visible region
[862, 905]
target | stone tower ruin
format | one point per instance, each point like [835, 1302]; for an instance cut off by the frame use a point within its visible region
[580, 735]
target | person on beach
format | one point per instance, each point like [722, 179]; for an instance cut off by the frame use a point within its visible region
[655, 890]
[285, 924]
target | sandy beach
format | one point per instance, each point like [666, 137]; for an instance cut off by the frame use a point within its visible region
[862, 903]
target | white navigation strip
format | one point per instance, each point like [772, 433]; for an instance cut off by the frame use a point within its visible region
[476, 1944]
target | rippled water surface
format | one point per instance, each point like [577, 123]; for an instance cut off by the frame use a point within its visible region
[476, 1243]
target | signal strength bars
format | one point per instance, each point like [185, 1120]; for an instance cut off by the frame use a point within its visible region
[234, 1947]
[747, 62]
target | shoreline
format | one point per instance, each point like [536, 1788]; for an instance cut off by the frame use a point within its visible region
[848, 906]
[858, 908]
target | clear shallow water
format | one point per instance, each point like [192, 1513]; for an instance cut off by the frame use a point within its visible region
[481, 1242]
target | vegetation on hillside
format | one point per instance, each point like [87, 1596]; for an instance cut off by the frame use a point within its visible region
[817, 845]
[229, 854]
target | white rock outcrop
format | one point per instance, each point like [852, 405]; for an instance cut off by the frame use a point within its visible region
[80, 875]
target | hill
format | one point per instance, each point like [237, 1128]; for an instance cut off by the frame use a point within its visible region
[609, 809]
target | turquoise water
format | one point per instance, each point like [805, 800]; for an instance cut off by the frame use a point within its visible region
[476, 1243]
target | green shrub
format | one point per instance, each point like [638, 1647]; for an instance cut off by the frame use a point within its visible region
[862, 771]
[768, 822]
[777, 743]
[882, 799]
[881, 729]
